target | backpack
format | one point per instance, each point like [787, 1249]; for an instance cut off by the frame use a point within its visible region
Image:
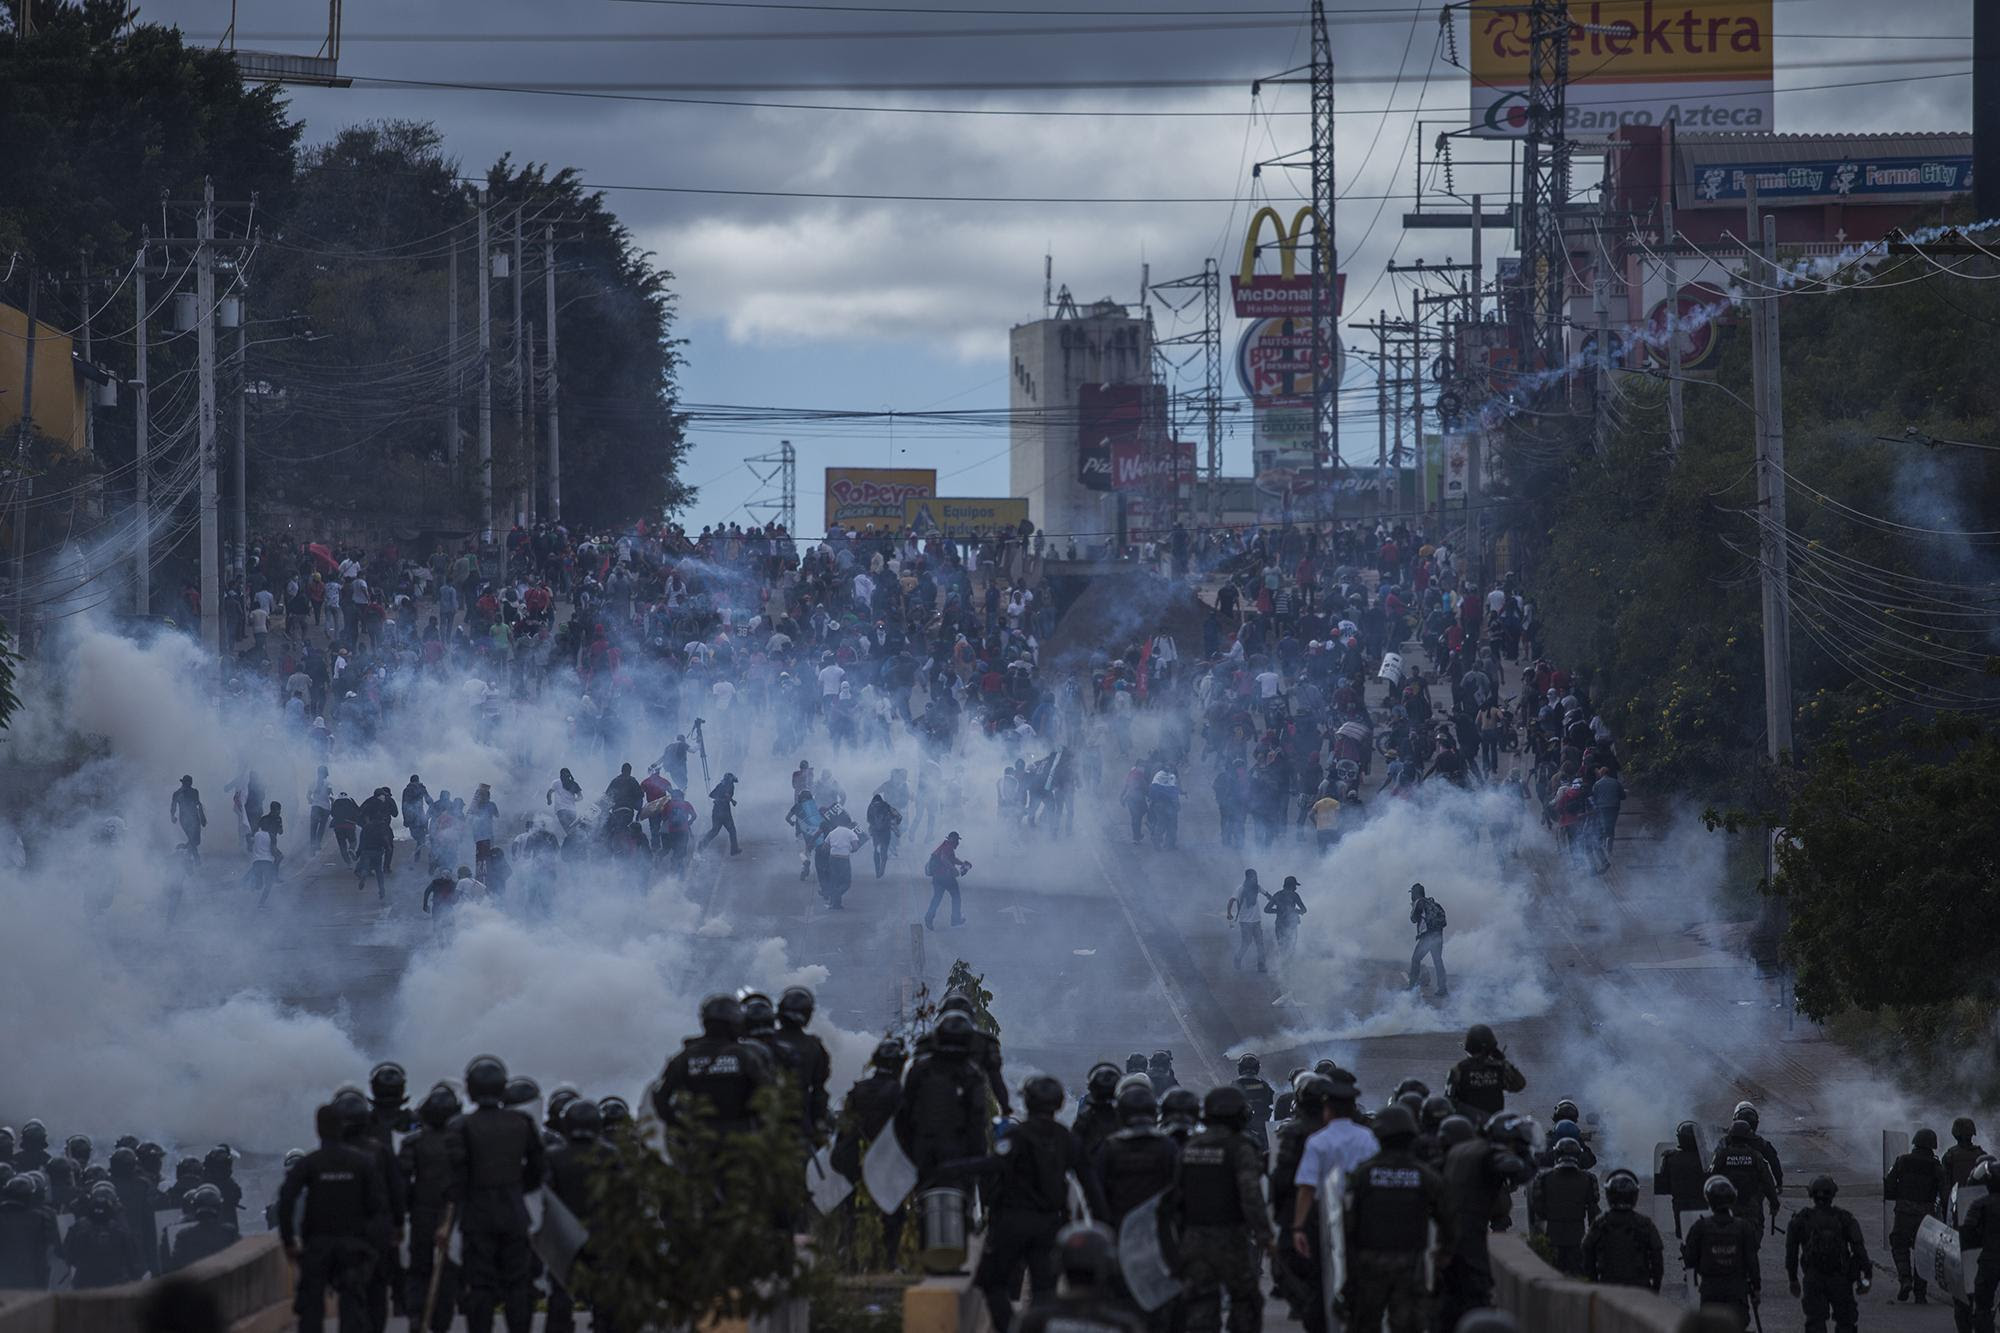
[1825, 1250]
[1433, 915]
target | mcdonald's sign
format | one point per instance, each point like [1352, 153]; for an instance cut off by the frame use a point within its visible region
[1286, 292]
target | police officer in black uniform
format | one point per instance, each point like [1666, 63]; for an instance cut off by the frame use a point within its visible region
[100, 1249]
[1962, 1155]
[218, 1168]
[941, 1119]
[1623, 1247]
[1563, 1204]
[135, 1201]
[1029, 1193]
[424, 1162]
[1436, 1110]
[1160, 1069]
[574, 1167]
[330, 1209]
[1260, 1095]
[1310, 1094]
[1738, 1160]
[809, 1062]
[1180, 1115]
[204, 1236]
[1681, 1174]
[360, 1131]
[1097, 1114]
[1480, 1175]
[1479, 1083]
[28, 1236]
[869, 1106]
[32, 1154]
[1747, 1112]
[1392, 1200]
[718, 1072]
[496, 1158]
[1826, 1260]
[389, 1103]
[1721, 1248]
[1915, 1186]
[985, 1048]
[1088, 1303]
[1137, 1161]
[1220, 1211]
[1981, 1231]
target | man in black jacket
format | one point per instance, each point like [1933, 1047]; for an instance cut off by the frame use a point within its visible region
[1030, 1198]
[722, 813]
[424, 1162]
[331, 1238]
[496, 1159]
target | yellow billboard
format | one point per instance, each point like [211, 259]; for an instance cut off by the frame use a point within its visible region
[1703, 65]
[59, 386]
[873, 497]
[964, 518]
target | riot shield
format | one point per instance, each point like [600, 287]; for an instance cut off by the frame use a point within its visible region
[560, 1237]
[1333, 1246]
[1937, 1260]
[888, 1171]
[1149, 1276]
[826, 1185]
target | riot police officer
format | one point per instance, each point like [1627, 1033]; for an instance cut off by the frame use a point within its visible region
[1180, 1115]
[424, 1162]
[1481, 1081]
[1747, 1112]
[206, 1235]
[1623, 1247]
[1220, 1210]
[1826, 1260]
[1088, 1259]
[28, 1236]
[1480, 1174]
[361, 1131]
[329, 1211]
[1738, 1160]
[869, 1105]
[809, 1062]
[1563, 1205]
[1962, 1155]
[1097, 1115]
[1028, 1183]
[718, 1069]
[1915, 1186]
[1721, 1248]
[1681, 1174]
[1136, 1162]
[1160, 1069]
[1392, 1198]
[941, 1118]
[574, 1168]
[1309, 1097]
[32, 1154]
[135, 1200]
[100, 1249]
[985, 1048]
[1981, 1231]
[1250, 1080]
[389, 1103]
[496, 1157]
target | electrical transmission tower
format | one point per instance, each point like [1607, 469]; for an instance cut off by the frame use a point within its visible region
[1209, 338]
[1545, 188]
[780, 469]
[1326, 351]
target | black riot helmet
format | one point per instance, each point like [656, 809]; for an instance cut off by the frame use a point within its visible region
[1684, 1135]
[1621, 1189]
[1408, 1085]
[721, 1016]
[1963, 1129]
[127, 1141]
[1924, 1140]
[1180, 1104]
[61, 1173]
[6, 1140]
[205, 1201]
[1740, 1128]
[1568, 1152]
[293, 1156]
[1745, 1111]
[956, 1002]
[18, 1189]
[1822, 1189]
[1249, 1067]
[954, 1034]
[614, 1111]
[795, 1006]
[103, 1201]
[1087, 1254]
[187, 1168]
[889, 1056]
[94, 1175]
[1042, 1095]
[486, 1080]
[1412, 1101]
[440, 1104]
[1101, 1084]
[352, 1108]
[1983, 1174]
[1135, 1063]
[1310, 1096]
[759, 1014]
[1136, 1103]
[34, 1134]
[1436, 1107]
[1395, 1126]
[151, 1156]
[521, 1091]
[1226, 1106]
[77, 1148]
[124, 1164]
[219, 1160]
[388, 1084]
[1510, 1130]
[559, 1101]
[1479, 1040]
[1566, 1109]
[1719, 1192]
[582, 1120]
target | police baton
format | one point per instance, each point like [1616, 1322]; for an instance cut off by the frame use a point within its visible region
[1757, 1312]
[441, 1256]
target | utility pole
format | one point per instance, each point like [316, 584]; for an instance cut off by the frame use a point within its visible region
[1767, 397]
[521, 492]
[1382, 403]
[1985, 111]
[90, 397]
[24, 485]
[1326, 358]
[141, 407]
[241, 564]
[1668, 244]
[1600, 306]
[211, 553]
[1478, 262]
[1208, 283]
[1545, 186]
[532, 454]
[485, 378]
[555, 402]
[454, 384]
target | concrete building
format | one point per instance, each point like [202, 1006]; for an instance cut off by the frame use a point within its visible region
[1060, 368]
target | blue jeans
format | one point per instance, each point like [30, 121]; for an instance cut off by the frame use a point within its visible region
[1431, 943]
[940, 886]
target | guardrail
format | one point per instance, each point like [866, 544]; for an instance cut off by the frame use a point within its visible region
[1544, 1301]
[250, 1282]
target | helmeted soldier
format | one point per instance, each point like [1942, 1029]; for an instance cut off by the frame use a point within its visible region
[1962, 1155]
[496, 1159]
[1392, 1200]
[204, 1236]
[1915, 1187]
[1563, 1203]
[1479, 1173]
[361, 1130]
[1160, 1069]
[1747, 1112]
[809, 1061]
[1087, 1257]
[1097, 1114]
[1250, 1080]
[330, 1209]
[28, 1236]
[1180, 1115]
[1027, 1182]
[1481, 1081]
[389, 1103]
[573, 1171]
[1721, 1248]
[32, 1153]
[985, 1048]
[715, 1075]
[1826, 1260]
[1309, 1096]
[424, 1161]
[100, 1249]
[1738, 1159]
[941, 1118]
[1220, 1210]
[1681, 1173]
[1137, 1161]
[868, 1107]
[1981, 1231]
[1623, 1246]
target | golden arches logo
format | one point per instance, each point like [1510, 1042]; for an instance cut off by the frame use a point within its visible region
[1288, 240]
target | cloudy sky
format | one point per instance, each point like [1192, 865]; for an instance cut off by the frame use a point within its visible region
[904, 304]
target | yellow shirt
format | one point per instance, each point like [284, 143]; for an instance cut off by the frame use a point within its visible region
[1325, 814]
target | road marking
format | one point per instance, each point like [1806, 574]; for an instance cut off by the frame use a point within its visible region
[1168, 990]
[1018, 912]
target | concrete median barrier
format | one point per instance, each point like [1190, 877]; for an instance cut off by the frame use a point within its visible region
[250, 1282]
[949, 1304]
[1544, 1301]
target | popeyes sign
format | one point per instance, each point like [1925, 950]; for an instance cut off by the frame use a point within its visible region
[874, 497]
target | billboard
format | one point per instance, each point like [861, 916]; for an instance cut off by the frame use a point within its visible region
[1286, 292]
[1110, 417]
[874, 497]
[1161, 466]
[962, 518]
[1704, 65]
[1913, 180]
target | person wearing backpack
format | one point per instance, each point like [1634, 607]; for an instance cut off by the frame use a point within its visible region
[1427, 915]
[1826, 1260]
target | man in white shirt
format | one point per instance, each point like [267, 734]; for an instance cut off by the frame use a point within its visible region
[831, 677]
[1341, 1142]
[841, 844]
[1267, 683]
